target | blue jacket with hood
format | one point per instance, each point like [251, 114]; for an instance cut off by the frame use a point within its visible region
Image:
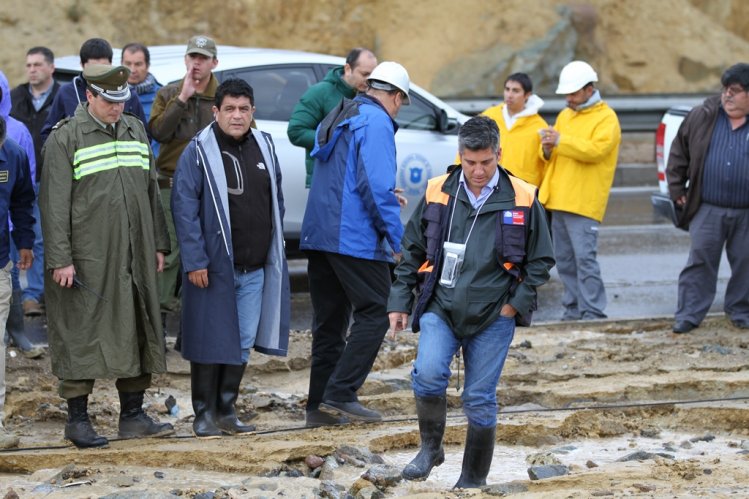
[16, 130]
[352, 208]
[200, 207]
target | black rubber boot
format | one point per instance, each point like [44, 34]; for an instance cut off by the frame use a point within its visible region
[204, 384]
[163, 325]
[78, 429]
[135, 423]
[230, 378]
[432, 412]
[15, 313]
[477, 457]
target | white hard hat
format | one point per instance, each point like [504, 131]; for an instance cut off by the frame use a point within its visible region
[575, 76]
[389, 76]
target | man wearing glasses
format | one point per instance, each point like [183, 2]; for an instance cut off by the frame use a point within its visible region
[708, 179]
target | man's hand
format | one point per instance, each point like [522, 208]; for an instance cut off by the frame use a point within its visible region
[198, 278]
[681, 201]
[26, 259]
[549, 140]
[397, 257]
[188, 85]
[64, 276]
[159, 261]
[508, 310]
[398, 322]
[402, 200]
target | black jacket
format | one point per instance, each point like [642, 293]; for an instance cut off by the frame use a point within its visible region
[23, 110]
[686, 160]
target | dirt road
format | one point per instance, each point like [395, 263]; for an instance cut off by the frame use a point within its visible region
[693, 449]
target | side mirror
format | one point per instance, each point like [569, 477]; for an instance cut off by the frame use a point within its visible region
[445, 124]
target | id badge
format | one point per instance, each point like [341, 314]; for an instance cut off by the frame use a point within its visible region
[452, 260]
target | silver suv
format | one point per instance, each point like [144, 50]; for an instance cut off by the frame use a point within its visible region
[426, 141]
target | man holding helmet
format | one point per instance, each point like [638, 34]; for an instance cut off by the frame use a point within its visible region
[351, 232]
[581, 151]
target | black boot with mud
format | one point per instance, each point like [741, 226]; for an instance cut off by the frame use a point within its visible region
[230, 378]
[477, 456]
[204, 379]
[135, 423]
[78, 428]
[432, 412]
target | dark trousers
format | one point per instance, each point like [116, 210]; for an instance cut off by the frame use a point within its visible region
[340, 285]
[712, 229]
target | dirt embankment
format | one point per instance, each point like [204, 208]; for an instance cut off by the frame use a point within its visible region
[684, 449]
[637, 46]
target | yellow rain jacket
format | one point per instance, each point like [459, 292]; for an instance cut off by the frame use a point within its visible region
[581, 168]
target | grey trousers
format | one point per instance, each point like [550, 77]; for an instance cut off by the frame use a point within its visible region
[575, 241]
[712, 228]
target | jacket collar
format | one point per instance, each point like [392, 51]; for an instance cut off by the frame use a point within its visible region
[503, 193]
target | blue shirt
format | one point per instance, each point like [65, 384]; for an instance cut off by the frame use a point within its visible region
[485, 191]
[725, 178]
[38, 102]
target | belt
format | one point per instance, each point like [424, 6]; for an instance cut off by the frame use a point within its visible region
[241, 269]
[165, 182]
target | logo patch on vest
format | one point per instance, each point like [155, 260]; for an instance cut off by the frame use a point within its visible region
[513, 217]
[3, 176]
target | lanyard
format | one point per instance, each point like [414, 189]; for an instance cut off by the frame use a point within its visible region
[452, 214]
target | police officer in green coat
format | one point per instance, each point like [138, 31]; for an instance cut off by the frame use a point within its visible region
[104, 240]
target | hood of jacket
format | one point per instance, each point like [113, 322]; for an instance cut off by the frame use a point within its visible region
[534, 104]
[5, 99]
[346, 114]
[335, 78]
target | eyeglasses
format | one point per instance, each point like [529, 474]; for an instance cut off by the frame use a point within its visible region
[733, 90]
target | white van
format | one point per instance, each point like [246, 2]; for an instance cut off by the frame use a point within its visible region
[427, 139]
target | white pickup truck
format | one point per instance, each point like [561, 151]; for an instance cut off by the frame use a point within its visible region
[664, 137]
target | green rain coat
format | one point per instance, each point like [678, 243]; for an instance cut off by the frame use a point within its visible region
[102, 213]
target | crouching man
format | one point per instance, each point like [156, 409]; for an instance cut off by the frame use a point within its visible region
[228, 210]
[475, 249]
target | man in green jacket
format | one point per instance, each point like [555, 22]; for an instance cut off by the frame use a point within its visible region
[476, 249]
[321, 98]
[104, 241]
[180, 111]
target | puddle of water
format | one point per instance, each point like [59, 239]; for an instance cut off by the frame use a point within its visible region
[509, 461]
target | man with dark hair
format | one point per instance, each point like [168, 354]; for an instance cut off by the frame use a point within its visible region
[16, 201]
[105, 239]
[180, 111]
[475, 250]
[71, 95]
[581, 151]
[31, 103]
[137, 58]
[228, 213]
[319, 99]
[519, 122]
[708, 180]
[350, 233]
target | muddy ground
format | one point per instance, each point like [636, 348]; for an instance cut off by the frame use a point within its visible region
[694, 449]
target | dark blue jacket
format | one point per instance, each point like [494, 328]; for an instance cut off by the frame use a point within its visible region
[73, 93]
[200, 207]
[16, 199]
[352, 208]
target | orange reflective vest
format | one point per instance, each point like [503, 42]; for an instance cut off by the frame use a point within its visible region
[510, 239]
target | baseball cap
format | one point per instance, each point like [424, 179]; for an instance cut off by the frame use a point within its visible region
[201, 45]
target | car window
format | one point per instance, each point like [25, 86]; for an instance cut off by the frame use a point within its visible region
[420, 115]
[277, 89]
